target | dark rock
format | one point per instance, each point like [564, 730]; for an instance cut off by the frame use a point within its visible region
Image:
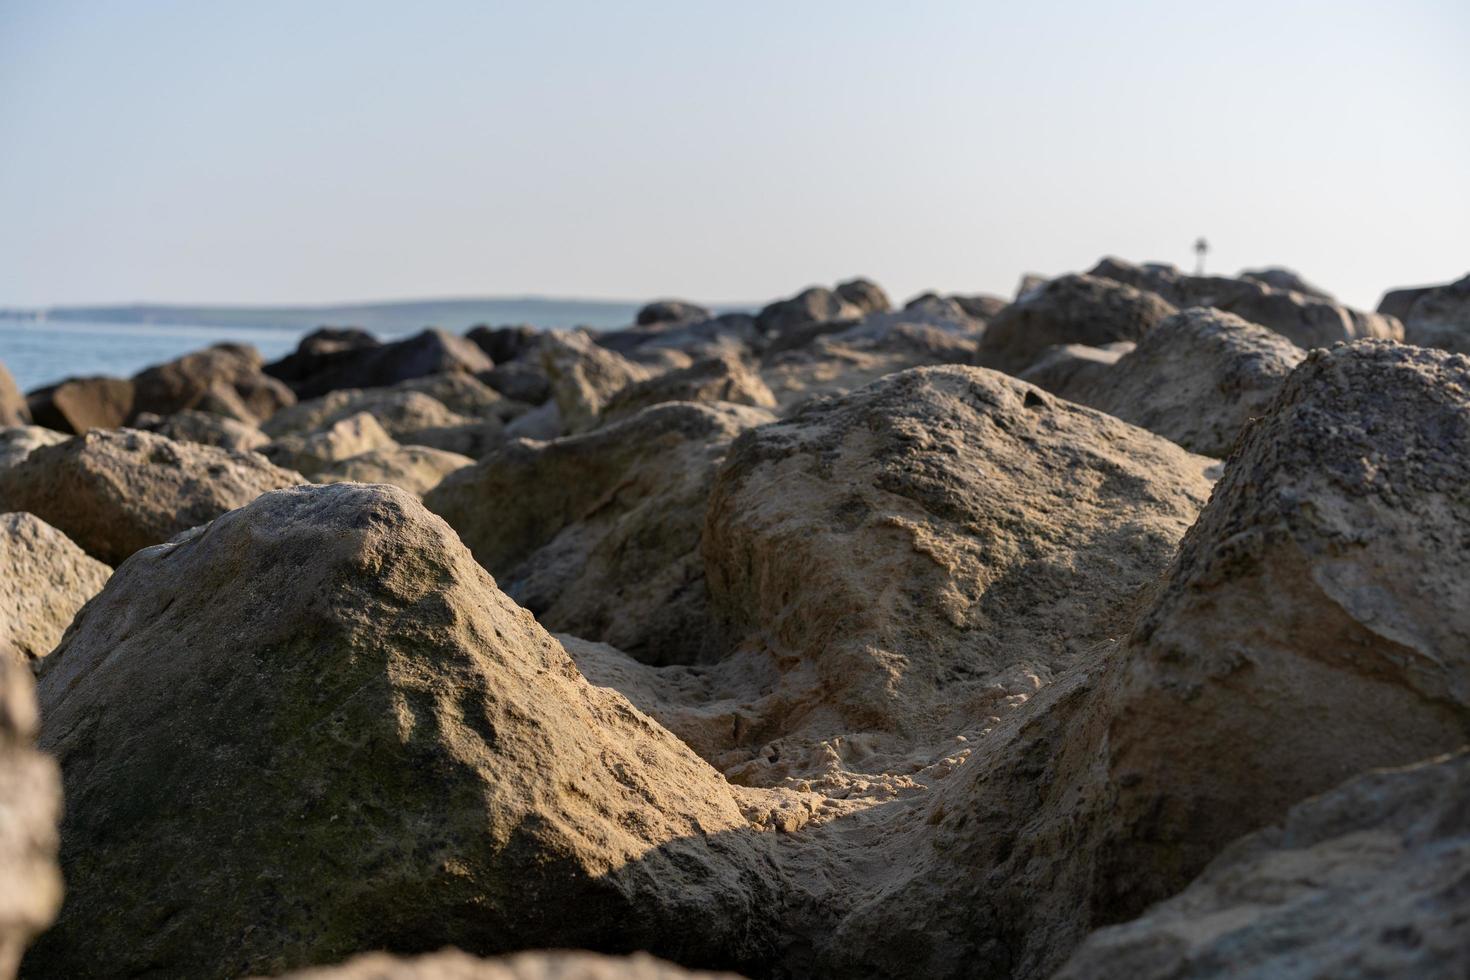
[671, 311]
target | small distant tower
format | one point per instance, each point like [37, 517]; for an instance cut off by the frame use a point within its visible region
[1200, 248]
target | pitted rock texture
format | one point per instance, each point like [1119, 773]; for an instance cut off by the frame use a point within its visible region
[115, 491]
[44, 580]
[907, 557]
[607, 545]
[1196, 379]
[1365, 881]
[370, 747]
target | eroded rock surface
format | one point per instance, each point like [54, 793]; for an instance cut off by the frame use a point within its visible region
[584, 376]
[1196, 379]
[115, 491]
[44, 579]
[19, 441]
[1366, 880]
[370, 747]
[607, 547]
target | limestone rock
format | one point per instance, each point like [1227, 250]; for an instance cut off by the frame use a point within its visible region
[30, 806]
[864, 294]
[115, 491]
[78, 404]
[465, 395]
[584, 376]
[716, 379]
[13, 408]
[206, 428]
[1307, 321]
[343, 439]
[503, 344]
[225, 379]
[1366, 880]
[417, 469]
[671, 311]
[1317, 618]
[901, 554]
[1196, 379]
[1439, 317]
[1071, 310]
[454, 965]
[44, 580]
[598, 534]
[368, 746]
[1313, 626]
[19, 441]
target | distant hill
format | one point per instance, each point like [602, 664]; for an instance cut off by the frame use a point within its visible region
[382, 318]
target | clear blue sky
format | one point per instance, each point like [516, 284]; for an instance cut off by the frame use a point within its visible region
[300, 151]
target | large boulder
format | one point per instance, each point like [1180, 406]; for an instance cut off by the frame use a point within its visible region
[598, 534]
[343, 439]
[316, 727]
[816, 304]
[13, 407]
[715, 379]
[30, 806]
[671, 311]
[1438, 316]
[1304, 319]
[224, 379]
[521, 381]
[115, 491]
[78, 404]
[320, 350]
[900, 555]
[206, 428]
[44, 580]
[1366, 880]
[19, 441]
[366, 366]
[1073, 309]
[417, 469]
[1196, 378]
[1317, 618]
[503, 344]
[1313, 626]
[584, 376]
[864, 294]
[451, 964]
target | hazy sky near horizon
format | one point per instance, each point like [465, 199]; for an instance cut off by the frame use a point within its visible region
[267, 151]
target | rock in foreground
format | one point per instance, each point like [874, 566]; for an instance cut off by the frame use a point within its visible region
[30, 804]
[368, 746]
